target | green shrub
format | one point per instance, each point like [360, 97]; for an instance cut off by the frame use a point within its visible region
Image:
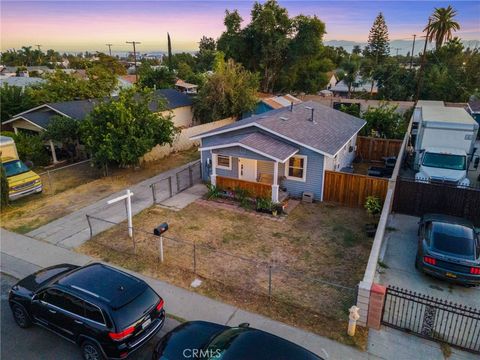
[264, 204]
[373, 205]
[30, 148]
[213, 192]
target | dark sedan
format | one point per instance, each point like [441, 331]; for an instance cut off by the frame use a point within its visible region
[209, 341]
[449, 248]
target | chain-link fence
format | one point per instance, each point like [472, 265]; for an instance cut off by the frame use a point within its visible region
[69, 176]
[237, 275]
[178, 182]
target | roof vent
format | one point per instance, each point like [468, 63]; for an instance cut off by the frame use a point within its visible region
[283, 118]
[312, 110]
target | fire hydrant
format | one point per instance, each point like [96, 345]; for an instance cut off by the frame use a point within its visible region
[352, 322]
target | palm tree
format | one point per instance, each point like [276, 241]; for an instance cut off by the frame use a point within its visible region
[442, 25]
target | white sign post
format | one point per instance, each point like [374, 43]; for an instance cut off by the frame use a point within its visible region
[128, 198]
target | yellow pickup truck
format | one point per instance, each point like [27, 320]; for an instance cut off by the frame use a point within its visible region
[21, 180]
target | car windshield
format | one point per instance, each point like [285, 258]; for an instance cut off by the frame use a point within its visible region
[444, 161]
[217, 348]
[454, 239]
[16, 167]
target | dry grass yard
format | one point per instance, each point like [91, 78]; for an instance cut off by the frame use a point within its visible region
[76, 187]
[316, 246]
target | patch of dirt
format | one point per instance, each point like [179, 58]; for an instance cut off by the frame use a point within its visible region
[33, 211]
[318, 245]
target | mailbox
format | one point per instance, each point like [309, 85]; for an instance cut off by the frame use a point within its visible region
[160, 229]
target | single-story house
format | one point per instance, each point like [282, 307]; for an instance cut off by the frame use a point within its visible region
[185, 87]
[37, 119]
[268, 103]
[21, 81]
[332, 80]
[474, 108]
[283, 152]
[359, 86]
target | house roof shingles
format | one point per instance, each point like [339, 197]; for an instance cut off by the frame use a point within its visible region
[79, 109]
[328, 133]
[258, 142]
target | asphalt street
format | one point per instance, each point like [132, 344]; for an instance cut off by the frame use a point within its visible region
[38, 343]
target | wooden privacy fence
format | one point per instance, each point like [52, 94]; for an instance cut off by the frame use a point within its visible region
[352, 189]
[418, 198]
[254, 188]
[375, 149]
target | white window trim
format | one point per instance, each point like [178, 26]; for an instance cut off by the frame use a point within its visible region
[287, 166]
[221, 166]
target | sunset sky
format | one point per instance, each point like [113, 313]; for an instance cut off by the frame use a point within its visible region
[88, 25]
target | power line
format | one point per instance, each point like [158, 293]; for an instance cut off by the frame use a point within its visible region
[134, 56]
[109, 48]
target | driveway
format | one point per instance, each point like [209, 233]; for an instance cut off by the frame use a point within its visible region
[401, 248]
[38, 343]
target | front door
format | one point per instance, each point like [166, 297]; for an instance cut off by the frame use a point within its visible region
[247, 169]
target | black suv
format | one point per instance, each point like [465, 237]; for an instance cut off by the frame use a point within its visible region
[107, 312]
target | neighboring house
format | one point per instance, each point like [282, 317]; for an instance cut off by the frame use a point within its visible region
[181, 106]
[272, 103]
[282, 152]
[332, 80]
[185, 87]
[359, 86]
[21, 82]
[8, 70]
[37, 119]
[474, 109]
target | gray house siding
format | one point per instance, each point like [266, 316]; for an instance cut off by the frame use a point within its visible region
[314, 177]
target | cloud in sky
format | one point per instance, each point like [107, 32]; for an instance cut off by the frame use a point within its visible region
[88, 25]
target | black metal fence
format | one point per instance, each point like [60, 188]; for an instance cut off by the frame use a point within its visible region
[180, 181]
[418, 198]
[432, 318]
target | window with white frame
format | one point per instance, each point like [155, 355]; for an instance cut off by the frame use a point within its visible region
[296, 168]
[224, 162]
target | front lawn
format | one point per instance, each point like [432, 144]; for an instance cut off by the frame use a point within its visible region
[317, 256]
[76, 187]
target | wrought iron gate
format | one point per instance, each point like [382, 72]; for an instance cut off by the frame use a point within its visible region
[432, 318]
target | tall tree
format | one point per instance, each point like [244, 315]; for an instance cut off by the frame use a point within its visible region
[231, 42]
[267, 38]
[14, 100]
[442, 25]
[377, 47]
[230, 91]
[159, 78]
[206, 54]
[169, 44]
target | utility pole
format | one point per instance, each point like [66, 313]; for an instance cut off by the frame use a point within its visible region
[397, 51]
[134, 56]
[109, 48]
[413, 49]
[39, 47]
[422, 64]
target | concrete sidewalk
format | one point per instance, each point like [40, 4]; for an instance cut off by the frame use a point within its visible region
[72, 230]
[21, 255]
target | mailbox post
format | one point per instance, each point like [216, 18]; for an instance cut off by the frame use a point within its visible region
[158, 231]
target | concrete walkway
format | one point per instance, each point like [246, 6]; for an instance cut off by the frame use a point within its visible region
[21, 255]
[72, 230]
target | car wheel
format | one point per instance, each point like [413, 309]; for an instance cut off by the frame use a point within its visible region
[91, 351]
[21, 316]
